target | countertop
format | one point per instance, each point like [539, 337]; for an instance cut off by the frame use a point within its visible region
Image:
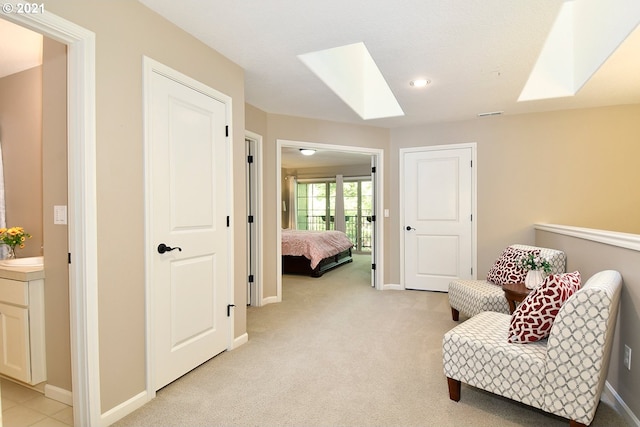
[24, 273]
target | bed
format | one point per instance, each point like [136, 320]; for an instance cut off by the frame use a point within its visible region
[314, 252]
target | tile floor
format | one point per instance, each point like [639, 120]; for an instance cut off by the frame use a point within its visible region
[22, 407]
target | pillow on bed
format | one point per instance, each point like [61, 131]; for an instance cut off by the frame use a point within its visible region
[507, 269]
[533, 318]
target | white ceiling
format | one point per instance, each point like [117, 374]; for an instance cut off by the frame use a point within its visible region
[478, 54]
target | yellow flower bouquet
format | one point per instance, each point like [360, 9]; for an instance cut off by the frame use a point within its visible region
[12, 237]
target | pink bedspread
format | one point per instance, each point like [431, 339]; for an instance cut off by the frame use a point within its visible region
[314, 245]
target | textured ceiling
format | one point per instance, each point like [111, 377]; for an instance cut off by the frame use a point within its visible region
[477, 53]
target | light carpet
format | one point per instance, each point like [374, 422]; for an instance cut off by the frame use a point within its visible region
[336, 352]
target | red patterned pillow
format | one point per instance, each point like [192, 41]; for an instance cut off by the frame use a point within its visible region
[506, 268]
[534, 317]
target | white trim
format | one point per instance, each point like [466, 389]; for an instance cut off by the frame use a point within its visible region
[613, 398]
[613, 238]
[474, 198]
[150, 66]
[81, 146]
[269, 300]
[125, 408]
[393, 287]
[258, 162]
[241, 340]
[379, 230]
[59, 394]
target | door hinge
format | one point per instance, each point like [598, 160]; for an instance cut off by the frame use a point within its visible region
[251, 278]
[471, 161]
[226, 131]
[69, 257]
[229, 309]
[373, 218]
[228, 220]
[373, 169]
[472, 271]
[471, 218]
[250, 219]
[249, 159]
[373, 266]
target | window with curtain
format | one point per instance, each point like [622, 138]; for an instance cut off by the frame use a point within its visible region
[316, 208]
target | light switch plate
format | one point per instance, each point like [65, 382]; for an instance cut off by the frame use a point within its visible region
[60, 214]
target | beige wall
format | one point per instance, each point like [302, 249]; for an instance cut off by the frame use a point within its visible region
[21, 138]
[575, 167]
[125, 31]
[589, 257]
[54, 172]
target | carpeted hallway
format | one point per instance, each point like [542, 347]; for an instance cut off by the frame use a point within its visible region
[336, 352]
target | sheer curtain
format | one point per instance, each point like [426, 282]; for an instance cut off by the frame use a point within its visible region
[3, 215]
[292, 184]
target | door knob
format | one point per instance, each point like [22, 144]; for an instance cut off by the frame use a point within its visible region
[162, 248]
[409, 228]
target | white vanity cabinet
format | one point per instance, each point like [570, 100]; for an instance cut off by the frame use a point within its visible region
[22, 326]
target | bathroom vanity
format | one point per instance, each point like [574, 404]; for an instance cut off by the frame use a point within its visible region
[22, 324]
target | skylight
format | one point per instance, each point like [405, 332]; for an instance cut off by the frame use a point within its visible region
[583, 36]
[352, 74]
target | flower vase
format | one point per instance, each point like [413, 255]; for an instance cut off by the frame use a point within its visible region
[533, 279]
[11, 252]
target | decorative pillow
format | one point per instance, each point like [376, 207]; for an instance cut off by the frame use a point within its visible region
[506, 269]
[533, 318]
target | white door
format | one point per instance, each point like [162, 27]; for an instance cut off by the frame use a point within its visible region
[437, 223]
[188, 214]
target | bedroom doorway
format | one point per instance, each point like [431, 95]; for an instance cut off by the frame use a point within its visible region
[369, 234]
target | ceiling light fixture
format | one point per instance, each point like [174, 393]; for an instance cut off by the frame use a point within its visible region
[307, 151]
[419, 82]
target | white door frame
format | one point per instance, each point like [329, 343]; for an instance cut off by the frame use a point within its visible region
[150, 66]
[474, 205]
[379, 153]
[257, 162]
[81, 188]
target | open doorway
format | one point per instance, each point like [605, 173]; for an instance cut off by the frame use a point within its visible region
[81, 188]
[367, 230]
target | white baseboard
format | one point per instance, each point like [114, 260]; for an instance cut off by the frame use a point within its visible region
[613, 398]
[124, 409]
[269, 300]
[238, 341]
[59, 394]
[392, 287]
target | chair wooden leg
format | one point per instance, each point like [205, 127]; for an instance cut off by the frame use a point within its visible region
[455, 314]
[573, 423]
[454, 389]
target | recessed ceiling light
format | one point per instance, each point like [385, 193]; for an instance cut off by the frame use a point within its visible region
[419, 82]
[307, 151]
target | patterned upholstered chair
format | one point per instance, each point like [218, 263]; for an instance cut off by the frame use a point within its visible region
[563, 374]
[471, 297]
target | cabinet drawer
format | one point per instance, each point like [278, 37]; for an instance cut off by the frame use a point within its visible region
[14, 292]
